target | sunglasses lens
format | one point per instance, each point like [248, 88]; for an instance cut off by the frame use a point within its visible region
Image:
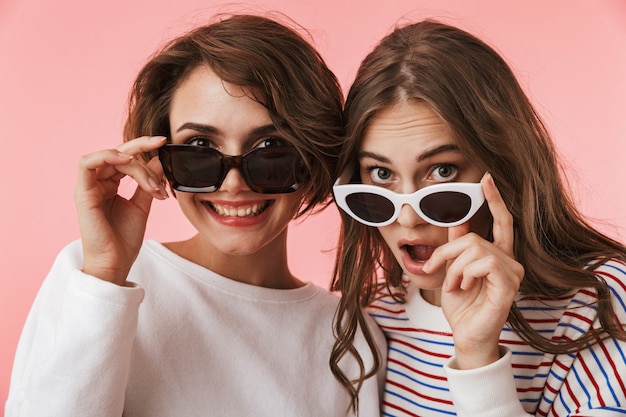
[273, 169]
[370, 207]
[196, 169]
[446, 206]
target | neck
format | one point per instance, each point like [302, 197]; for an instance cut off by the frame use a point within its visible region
[267, 267]
[432, 296]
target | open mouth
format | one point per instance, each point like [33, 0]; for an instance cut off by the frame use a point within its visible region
[419, 253]
[243, 211]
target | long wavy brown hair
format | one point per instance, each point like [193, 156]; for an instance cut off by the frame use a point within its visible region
[474, 91]
[271, 58]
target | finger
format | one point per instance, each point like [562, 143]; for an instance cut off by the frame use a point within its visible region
[90, 163]
[502, 218]
[113, 165]
[142, 199]
[464, 256]
[142, 144]
[447, 252]
[154, 165]
[145, 177]
[458, 231]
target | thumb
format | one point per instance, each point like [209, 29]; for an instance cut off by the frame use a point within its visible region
[142, 200]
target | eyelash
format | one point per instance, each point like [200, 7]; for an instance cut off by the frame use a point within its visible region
[191, 141]
[268, 141]
[450, 166]
[372, 170]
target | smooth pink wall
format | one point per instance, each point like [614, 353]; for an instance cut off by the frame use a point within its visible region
[66, 65]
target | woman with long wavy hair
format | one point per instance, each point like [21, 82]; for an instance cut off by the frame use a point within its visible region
[497, 298]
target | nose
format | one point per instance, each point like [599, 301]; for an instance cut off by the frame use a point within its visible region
[234, 181]
[408, 217]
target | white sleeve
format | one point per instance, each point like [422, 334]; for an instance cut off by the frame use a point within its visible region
[488, 391]
[74, 352]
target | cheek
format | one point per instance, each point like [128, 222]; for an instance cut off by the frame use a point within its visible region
[388, 235]
[291, 202]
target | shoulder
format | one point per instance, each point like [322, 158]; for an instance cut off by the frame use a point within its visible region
[613, 272]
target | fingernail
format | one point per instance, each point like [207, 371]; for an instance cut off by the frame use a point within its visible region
[158, 138]
[153, 184]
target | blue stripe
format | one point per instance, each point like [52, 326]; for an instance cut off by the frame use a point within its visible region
[529, 377]
[557, 376]
[520, 353]
[580, 383]
[397, 372]
[381, 316]
[509, 330]
[617, 297]
[450, 413]
[606, 376]
[437, 365]
[423, 340]
[615, 266]
[529, 400]
[585, 304]
[617, 410]
[571, 326]
[563, 403]
[618, 347]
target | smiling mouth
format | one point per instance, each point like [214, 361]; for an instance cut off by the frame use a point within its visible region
[419, 253]
[243, 211]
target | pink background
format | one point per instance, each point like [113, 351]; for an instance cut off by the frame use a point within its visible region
[66, 66]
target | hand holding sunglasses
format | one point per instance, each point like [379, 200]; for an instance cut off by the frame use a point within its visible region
[200, 169]
[443, 205]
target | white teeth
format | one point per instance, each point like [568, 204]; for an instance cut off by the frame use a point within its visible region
[247, 211]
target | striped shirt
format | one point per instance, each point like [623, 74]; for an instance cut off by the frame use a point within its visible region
[421, 382]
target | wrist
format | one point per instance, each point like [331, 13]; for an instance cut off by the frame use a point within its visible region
[111, 275]
[474, 356]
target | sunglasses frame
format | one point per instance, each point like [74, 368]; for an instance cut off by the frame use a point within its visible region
[226, 163]
[473, 190]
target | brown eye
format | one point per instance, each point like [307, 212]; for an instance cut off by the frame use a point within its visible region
[271, 142]
[443, 173]
[380, 175]
[199, 141]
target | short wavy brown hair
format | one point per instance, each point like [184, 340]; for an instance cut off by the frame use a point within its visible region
[277, 64]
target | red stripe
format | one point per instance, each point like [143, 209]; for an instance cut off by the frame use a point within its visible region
[397, 407]
[413, 329]
[608, 357]
[417, 371]
[571, 395]
[418, 349]
[617, 281]
[426, 397]
[592, 380]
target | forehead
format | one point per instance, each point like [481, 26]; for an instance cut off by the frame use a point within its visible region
[204, 97]
[406, 123]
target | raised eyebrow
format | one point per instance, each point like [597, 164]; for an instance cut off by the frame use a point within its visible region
[264, 130]
[198, 127]
[375, 156]
[440, 149]
[208, 129]
[428, 154]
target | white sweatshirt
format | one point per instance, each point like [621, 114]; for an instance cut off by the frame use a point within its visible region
[179, 340]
